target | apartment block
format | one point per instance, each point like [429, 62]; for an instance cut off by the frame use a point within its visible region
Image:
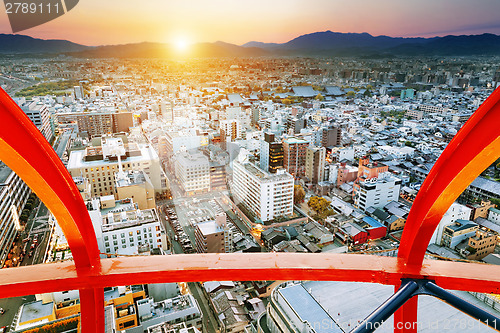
[193, 172]
[315, 164]
[294, 156]
[266, 195]
[376, 192]
[271, 153]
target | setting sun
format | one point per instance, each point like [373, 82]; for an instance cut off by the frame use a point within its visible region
[181, 44]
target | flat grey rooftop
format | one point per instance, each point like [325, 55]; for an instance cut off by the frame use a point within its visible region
[308, 309]
[36, 310]
[348, 302]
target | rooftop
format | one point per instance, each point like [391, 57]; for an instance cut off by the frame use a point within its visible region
[308, 309]
[36, 310]
[209, 227]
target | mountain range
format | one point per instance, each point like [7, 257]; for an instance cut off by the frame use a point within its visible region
[326, 43]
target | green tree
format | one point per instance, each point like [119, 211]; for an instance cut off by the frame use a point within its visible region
[351, 94]
[298, 194]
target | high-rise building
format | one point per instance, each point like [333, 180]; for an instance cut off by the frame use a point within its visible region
[271, 153]
[193, 172]
[40, 116]
[13, 196]
[230, 129]
[78, 90]
[315, 163]
[376, 192]
[266, 195]
[331, 136]
[294, 156]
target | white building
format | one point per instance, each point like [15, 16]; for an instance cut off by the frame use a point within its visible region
[99, 164]
[266, 195]
[231, 129]
[122, 228]
[180, 309]
[376, 192]
[494, 215]
[193, 172]
[39, 115]
[455, 212]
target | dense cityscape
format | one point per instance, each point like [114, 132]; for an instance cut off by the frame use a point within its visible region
[264, 154]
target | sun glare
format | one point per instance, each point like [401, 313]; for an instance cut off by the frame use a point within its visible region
[181, 44]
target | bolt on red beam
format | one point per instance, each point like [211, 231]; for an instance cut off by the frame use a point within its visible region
[475, 147]
[26, 151]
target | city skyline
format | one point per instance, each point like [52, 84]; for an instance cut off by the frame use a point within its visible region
[116, 22]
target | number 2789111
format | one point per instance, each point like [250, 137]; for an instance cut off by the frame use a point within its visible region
[32, 8]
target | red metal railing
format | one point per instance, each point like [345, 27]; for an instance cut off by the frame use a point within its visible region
[24, 150]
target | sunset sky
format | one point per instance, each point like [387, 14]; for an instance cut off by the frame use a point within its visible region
[99, 22]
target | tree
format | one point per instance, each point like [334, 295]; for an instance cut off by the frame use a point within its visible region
[318, 204]
[298, 194]
[319, 97]
[351, 94]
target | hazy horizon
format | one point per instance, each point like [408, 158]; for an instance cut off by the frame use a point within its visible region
[111, 22]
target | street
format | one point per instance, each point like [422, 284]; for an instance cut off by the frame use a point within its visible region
[37, 225]
[209, 321]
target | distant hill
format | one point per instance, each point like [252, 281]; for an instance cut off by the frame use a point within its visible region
[326, 43]
[25, 44]
[336, 43]
[159, 50]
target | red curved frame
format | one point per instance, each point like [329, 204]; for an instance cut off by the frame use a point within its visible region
[24, 149]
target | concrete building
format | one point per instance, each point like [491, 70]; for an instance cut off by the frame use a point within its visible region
[367, 170]
[458, 231]
[122, 228]
[193, 172]
[331, 136]
[180, 309]
[376, 192]
[454, 213]
[230, 129]
[315, 164]
[13, 197]
[98, 123]
[271, 153]
[137, 186]
[294, 156]
[213, 236]
[40, 116]
[478, 246]
[266, 195]
[100, 161]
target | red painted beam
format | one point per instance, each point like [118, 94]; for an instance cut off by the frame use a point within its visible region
[24, 149]
[92, 310]
[475, 147]
[246, 267]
